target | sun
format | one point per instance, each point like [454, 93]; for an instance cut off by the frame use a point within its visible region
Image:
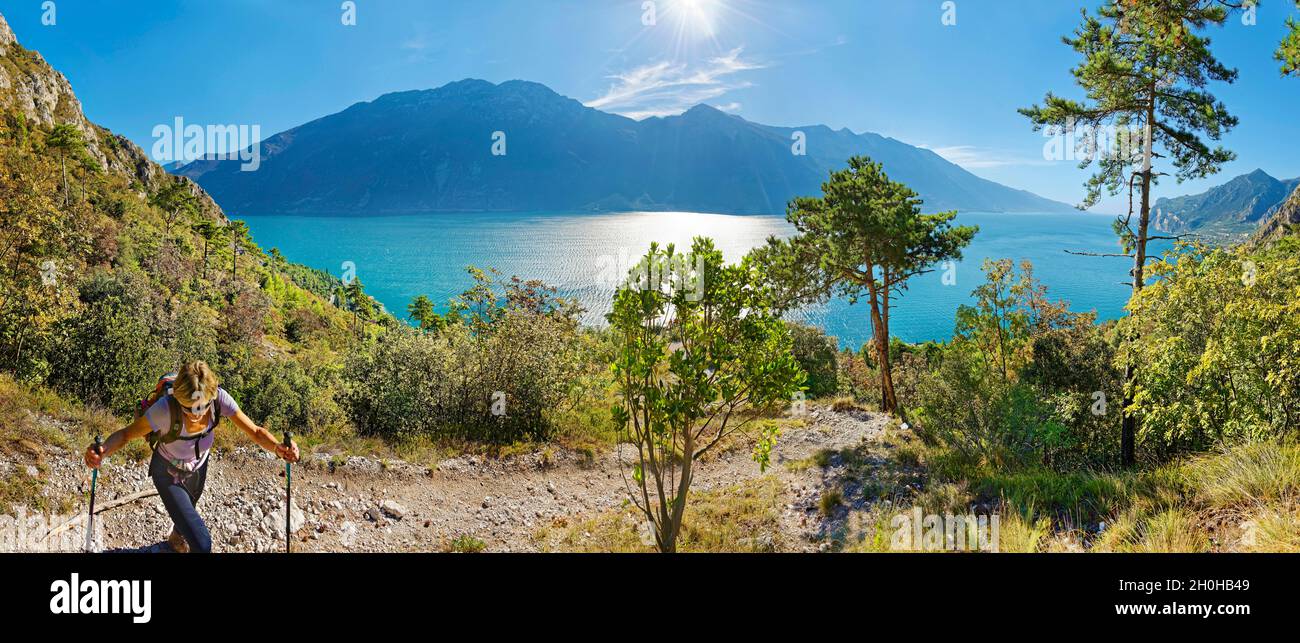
[696, 16]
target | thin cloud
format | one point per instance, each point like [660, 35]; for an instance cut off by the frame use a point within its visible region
[665, 88]
[974, 158]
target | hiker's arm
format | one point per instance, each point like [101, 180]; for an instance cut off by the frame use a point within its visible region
[264, 438]
[137, 429]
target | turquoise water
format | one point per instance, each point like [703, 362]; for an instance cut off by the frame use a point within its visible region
[400, 257]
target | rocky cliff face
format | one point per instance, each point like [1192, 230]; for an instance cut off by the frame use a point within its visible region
[30, 87]
[6, 35]
[1285, 221]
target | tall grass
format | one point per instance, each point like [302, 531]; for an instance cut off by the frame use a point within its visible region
[1252, 474]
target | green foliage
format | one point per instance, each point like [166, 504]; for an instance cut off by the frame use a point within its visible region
[985, 418]
[864, 236]
[497, 378]
[212, 234]
[421, 311]
[286, 394]
[113, 347]
[1144, 63]
[360, 303]
[1288, 53]
[176, 200]
[988, 397]
[1219, 348]
[1248, 475]
[467, 544]
[1073, 370]
[698, 343]
[816, 354]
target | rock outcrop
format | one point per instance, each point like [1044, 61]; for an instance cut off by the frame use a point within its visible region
[1285, 221]
[30, 87]
[7, 36]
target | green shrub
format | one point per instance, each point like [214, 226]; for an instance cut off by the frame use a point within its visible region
[816, 354]
[283, 394]
[1215, 341]
[110, 353]
[498, 376]
[466, 544]
[989, 421]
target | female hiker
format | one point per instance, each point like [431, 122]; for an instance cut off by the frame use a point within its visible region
[178, 421]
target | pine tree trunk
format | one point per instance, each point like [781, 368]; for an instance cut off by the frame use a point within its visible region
[888, 400]
[1128, 434]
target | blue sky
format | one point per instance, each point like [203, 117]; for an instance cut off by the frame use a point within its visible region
[885, 66]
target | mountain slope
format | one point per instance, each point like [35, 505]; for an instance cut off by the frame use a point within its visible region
[1285, 220]
[113, 271]
[44, 98]
[431, 150]
[1234, 208]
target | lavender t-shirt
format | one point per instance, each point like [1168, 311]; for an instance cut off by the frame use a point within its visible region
[181, 452]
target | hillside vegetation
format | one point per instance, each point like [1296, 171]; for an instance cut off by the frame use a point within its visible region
[113, 272]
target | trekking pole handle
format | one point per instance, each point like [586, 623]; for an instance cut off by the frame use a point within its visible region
[99, 445]
[288, 438]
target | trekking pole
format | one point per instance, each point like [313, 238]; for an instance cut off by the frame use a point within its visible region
[288, 489]
[94, 478]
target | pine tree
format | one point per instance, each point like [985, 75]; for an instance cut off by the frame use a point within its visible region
[359, 302]
[421, 310]
[864, 236]
[1145, 69]
[238, 231]
[211, 233]
[66, 139]
[1289, 52]
[175, 199]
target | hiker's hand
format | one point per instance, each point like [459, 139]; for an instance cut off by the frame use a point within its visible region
[287, 453]
[93, 457]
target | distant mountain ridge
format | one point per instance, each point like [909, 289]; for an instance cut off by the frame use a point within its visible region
[1234, 209]
[431, 150]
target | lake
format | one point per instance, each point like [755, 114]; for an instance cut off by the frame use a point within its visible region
[400, 257]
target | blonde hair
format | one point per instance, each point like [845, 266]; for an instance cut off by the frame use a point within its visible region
[196, 383]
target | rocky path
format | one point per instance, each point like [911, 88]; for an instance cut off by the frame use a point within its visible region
[364, 505]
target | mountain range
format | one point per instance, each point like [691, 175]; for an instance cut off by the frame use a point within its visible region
[432, 150]
[1233, 209]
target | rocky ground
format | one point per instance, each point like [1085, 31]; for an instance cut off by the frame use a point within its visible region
[363, 505]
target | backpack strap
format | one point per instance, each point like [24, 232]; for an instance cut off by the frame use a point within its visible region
[176, 426]
[175, 418]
